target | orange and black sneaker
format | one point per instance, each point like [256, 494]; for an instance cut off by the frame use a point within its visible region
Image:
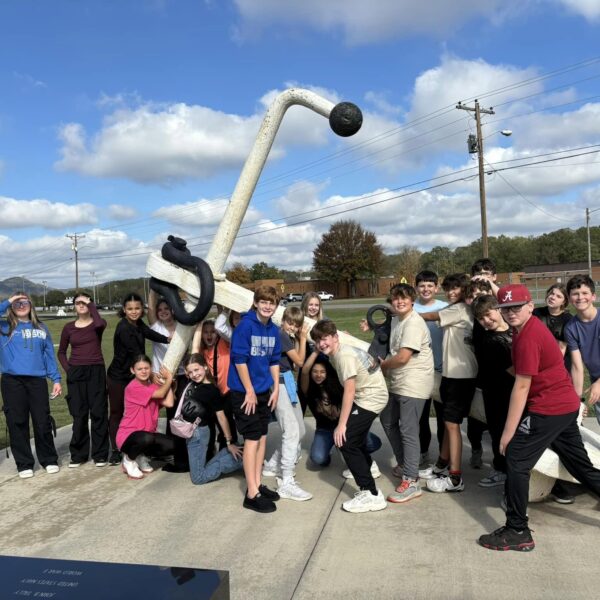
[507, 538]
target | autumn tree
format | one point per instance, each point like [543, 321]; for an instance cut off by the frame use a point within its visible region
[346, 253]
[406, 264]
[239, 273]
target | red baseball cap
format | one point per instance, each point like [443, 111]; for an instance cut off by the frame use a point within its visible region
[513, 295]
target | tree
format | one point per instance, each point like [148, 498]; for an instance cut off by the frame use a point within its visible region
[55, 298]
[239, 273]
[347, 252]
[407, 263]
[262, 270]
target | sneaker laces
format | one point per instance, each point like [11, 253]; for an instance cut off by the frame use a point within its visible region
[404, 485]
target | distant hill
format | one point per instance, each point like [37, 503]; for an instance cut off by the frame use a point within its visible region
[15, 284]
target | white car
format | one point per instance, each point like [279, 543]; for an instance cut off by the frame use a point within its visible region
[325, 295]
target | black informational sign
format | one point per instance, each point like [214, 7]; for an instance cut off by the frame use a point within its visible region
[74, 580]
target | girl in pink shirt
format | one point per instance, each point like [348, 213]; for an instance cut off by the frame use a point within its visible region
[137, 434]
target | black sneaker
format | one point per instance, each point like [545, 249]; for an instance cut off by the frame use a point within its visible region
[507, 538]
[259, 504]
[268, 493]
[561, 494]
[115, 458]
[176, 468]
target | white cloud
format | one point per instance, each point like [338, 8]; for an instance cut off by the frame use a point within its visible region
[21, 214]
[158, 144]
[120, 212]
[28, 81]
[589, 9]
[363, 22]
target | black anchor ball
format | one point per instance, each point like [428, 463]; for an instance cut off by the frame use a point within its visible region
[345, 119]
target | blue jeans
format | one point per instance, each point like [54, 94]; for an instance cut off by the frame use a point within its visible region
[201, 471]
[320, 450]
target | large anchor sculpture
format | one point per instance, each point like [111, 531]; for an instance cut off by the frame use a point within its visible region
[202, 282]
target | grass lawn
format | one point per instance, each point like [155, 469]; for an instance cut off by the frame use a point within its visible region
[346, 319]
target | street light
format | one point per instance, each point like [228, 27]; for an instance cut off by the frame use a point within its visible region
[588, 212]
[44, 283]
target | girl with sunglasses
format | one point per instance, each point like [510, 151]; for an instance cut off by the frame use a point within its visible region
[27, 359]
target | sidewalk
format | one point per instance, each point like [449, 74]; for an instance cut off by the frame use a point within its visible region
[305, 550]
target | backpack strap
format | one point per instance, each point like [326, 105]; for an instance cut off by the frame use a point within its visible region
[215, 357]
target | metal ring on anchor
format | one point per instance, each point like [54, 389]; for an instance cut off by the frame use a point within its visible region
[381, 331]
[176, 252]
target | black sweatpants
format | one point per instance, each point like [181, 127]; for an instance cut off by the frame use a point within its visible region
[425, 429]
[150, 444]
[116, 401]
[87, 400]
[354, 449]
[534, 434]
[24, 396]
[496, 411]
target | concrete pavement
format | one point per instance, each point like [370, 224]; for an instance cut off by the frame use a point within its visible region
[307, 550]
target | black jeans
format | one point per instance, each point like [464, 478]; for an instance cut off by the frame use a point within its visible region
[534, 434]
[151, 444]
[354, 449]
[87, 400]
[24, 396]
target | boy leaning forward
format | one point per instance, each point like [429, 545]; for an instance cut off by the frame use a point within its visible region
[365, 396]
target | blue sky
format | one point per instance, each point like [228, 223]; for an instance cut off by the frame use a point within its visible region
[130, 120]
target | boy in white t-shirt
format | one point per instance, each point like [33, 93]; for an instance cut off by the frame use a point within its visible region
[458, 383]
[365, 396]
[409, 372]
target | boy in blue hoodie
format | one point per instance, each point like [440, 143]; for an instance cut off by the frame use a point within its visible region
[254, 383]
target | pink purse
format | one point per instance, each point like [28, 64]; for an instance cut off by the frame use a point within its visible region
[179, 426]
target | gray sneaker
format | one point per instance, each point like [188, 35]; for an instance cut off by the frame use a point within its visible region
[407, 490]
[493, 479]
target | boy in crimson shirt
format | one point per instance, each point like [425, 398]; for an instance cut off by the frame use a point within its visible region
[542, 413]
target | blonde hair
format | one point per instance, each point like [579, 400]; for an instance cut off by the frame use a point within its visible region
[304, 305]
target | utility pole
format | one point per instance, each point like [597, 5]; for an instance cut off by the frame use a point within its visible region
[588, 212]
[93, 274]
[44, 283]
[74, 237]
[478, 111]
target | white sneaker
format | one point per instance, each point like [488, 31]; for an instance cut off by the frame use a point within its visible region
[131, 468]
[144, 464]
[290, 490]
[444, 484]
[364, 501]
[433, 471]
[74, 465]
[375, 472]
[26, 473]
[493, 479]
[52, 469]
[100, 463]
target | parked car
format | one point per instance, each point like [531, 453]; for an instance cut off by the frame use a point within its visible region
[325, 295]
[294, 297]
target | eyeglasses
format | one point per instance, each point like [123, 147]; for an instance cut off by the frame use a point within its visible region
[511, 309]
[21, 304]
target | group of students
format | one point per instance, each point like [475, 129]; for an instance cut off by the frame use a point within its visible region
[243, 372]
